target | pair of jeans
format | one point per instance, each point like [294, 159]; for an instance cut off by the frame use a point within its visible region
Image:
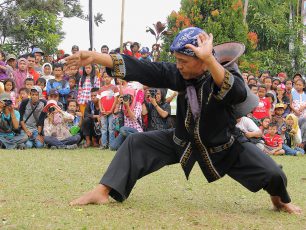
[53, 141]
[291, 151]
[107, 130]
[124, 132]
[32, 141]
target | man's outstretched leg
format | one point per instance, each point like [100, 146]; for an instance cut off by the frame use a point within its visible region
[139, 155]
[255, 170]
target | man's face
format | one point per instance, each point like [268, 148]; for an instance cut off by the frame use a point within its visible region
[58, 72]
[34, 96]
[189, 67]
[104, 50]
[12, 63]
[38, 57]
[94, 98]
[72, 106]
[74, 50]
[31, 62]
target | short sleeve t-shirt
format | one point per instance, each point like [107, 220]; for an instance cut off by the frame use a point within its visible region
[6, 125]
[263, 108]
[107, 96]
[274, 141]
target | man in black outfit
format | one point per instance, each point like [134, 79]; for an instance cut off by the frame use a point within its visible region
[207, 92]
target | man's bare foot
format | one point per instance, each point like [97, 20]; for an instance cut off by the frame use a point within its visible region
[98, 195]
[280, 206]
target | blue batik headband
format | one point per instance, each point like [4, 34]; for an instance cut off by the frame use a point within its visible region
[186, 36]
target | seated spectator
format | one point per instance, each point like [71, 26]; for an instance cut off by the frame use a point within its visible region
[158, 110]
[250, 131]
[91, 123]
[278, 114]
[47, 72]
[73, 94]
[9, 123]
[254, 89]
[31, 67]
[30, 111]
[9, 88]
[282, 98]
[56, 130]
[54, 95]
[132, 117]
[59, 84]
[24, 94]
[273, 141]
[298, 105]
[75, 124]
[108, 97]
[264, 127]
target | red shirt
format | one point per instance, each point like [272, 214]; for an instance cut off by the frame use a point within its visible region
[107, 96]
[274, 141]
[34, 74]
[263, 108]
[128, 52]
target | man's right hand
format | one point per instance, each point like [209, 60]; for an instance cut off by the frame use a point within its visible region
[40, 138]
[29, 133]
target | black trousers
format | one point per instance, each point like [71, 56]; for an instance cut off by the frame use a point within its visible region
[144, 153]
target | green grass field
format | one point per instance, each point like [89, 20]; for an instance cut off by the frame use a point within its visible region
[37, 185]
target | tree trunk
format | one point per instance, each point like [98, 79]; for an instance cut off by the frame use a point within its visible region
[245, 10]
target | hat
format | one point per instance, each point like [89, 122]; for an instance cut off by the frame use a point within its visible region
[186, 36]
[4, 97]
[281, 86]
[49, 104]
[144, 50]
[37, 89]
[279, 105]
[11, 56]
[37, 50]
[53, 92]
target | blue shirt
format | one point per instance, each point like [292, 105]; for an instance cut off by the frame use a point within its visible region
[4, 120]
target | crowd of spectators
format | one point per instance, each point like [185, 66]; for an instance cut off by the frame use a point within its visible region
[45, 104]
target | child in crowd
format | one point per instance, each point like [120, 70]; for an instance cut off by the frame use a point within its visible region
[23, 94]
[273, 141]
[9, 87]
[298, 105]
[41, 82]
[268, 83]
[75, 124]
[278, 114]
[264, 105]
[108, 96]
[73, 89]
[29, 83]
[47, 72]
[271, 99]
[264, 127]
[88, 81]
[59, 84]
[254, 89]
[282, 98]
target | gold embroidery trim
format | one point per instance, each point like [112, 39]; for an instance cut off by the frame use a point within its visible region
[226, 85]
[118, 66]
[186, 155]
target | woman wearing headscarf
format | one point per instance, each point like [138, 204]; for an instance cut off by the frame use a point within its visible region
[21, 73]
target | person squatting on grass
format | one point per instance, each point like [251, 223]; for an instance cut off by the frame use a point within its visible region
[204, 124]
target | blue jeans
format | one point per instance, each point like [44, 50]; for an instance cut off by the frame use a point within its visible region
[107, 130]
[53, 141]
[291, 151]
[124, 132]
[32, 142]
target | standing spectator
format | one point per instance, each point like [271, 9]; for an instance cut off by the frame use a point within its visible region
[23, 94]
[273, 141]
[73, 94]
[289, 86]
[9, 121]
[3, 67]
[108, 96]
[9, 88]
[41, 82]
[282, 76]
[134, 48]
[282, 98]
[104, 49]
[47, 71]
[159, 111]
[21, 74]
[145, 54]
[59, 84]
[298, 105]
[264, 105]
[91, 120]
[74, 49]
[11, 65]
[30, 111]
[88, 81]
[31, 67]
[38, 53]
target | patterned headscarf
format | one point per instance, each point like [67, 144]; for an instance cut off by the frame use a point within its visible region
[186, 36]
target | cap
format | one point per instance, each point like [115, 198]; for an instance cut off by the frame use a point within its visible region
[37, 50]
[53, 92]
[279, 105]
[11, 56]
[4, 97]
[37, 89]
[49, 104]
[144, 50]
[281, 86]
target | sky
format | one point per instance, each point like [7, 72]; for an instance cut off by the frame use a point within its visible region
[138, 15]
